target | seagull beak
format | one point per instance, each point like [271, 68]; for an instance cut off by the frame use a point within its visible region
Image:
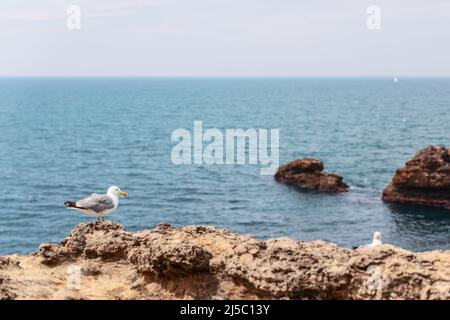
[124, 194]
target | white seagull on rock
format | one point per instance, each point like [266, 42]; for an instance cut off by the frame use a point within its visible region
[99, 205]
[376, 241]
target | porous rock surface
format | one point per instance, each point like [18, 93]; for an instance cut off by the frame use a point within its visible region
[202, 262]
[424, 180]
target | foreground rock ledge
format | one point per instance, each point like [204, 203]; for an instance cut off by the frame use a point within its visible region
[308, 173]
[198, 262]
[424, 180]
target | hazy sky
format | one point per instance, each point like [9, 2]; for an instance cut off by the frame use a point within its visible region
[225, 38]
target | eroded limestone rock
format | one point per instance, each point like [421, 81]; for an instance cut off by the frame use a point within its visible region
[308, 174]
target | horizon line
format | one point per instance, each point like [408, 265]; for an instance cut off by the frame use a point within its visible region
[226, 76]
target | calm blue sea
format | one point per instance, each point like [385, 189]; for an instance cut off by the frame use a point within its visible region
[62, 139]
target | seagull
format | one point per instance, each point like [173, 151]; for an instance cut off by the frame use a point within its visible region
[376, 241]
[99, 205]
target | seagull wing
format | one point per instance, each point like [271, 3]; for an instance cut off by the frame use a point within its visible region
[96, 203]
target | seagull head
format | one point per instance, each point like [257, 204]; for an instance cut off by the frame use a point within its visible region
[113, 190]
[376, 236]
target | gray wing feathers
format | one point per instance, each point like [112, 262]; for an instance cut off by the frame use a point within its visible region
[96, 202]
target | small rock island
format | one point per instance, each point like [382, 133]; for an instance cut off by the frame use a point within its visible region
[424, 180]
[308, 173]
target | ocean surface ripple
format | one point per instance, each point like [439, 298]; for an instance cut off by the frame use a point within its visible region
[62, 139]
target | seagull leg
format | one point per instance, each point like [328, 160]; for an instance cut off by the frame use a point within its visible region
[98, 218]
[103, 219]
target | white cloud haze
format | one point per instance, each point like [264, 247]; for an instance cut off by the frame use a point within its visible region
[225, 38]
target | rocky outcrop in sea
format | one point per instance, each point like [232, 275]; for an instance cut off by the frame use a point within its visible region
[424, 180]
[309, 174]
[203, 262]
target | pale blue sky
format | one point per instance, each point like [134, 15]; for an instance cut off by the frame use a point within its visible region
[225, 38]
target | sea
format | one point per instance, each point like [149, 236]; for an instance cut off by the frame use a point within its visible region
[65, 138]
